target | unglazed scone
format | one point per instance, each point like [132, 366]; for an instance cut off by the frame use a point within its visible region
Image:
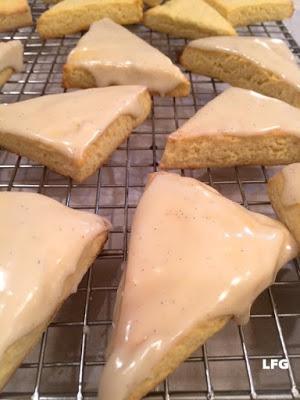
[45, 249]
[284, 193]
[11, 59]
[247, 12]
[239, 127]
[261, 64]
[86, 127]
[152, 3]
[188, 19]
[14, 14]
[71, 16]
[109, 54]
[196, 259]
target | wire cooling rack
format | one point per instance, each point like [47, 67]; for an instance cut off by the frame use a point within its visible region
[68, 361]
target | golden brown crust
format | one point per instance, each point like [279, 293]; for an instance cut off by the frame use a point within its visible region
[177, 354]
[240, 72]
[5, 75]
[289, 215]
[228, 150]
[15, 14]
[14, 355]
[78, 77]
[58, 22]
[95, 155]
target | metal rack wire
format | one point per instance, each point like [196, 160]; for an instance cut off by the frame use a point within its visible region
[68, 361]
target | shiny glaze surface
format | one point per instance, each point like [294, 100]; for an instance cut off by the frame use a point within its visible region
[271, 54]
[291, 189]
[252, 114]
[193, 256]
[77, 118]
[41, 242]
[114, 55]
[11, 55]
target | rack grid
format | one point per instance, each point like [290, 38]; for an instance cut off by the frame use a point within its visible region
[68, 361]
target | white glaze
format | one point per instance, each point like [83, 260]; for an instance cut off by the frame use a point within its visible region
[70, 122]
[271, 54]
[194, 255]
[11, 55]
[291, 189]
[242, 112]
[41, 242]
[115, 56]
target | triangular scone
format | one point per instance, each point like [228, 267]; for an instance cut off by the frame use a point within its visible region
[239, 127]
[73, 133]
[246, 12]
[261, 64]
[284, 193]
[195, 260]
[11, 59]
[14, 14]
[45, 249]
[188, 19]
[71, 16]
[109, 54]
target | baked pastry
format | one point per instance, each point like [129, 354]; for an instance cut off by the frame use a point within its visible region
[14, 14]
[109, 54]
[239, 127]
[152, 3]
[45, 249]
[284, 193]
[261, 64]
[71, 16]
[247, 12]
[176, 293]
[11, 59]
[86, 127]
[188, 19]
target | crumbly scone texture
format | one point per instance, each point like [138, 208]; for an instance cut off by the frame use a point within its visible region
[289, 215]
[193, 19]
[247, 12]
[231, 150]
[239, 71]
[15, 354]
[96, 154]
[71, 16]
[5, 75]
[14, 14]
[78, 77]
[177, 354]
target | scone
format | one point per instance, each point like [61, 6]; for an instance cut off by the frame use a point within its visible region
[261, 64]
[45, 249]
[247, 12]
[239, 127]
[109, 54]
[71, 16]
[196, 259]
[188, 19]
[14, 14]
[152, 3]
[73, 133]
[11, 59]
[284, 193]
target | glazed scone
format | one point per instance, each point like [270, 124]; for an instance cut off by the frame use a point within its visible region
[109, 54]
[261, 64]
[284, 193]
[239, 127]
[188, 19]
[71, 16]
[176, 293]
[45, 249]
[11, 59]
[14, 14]
[247, 12]
[86, 127]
